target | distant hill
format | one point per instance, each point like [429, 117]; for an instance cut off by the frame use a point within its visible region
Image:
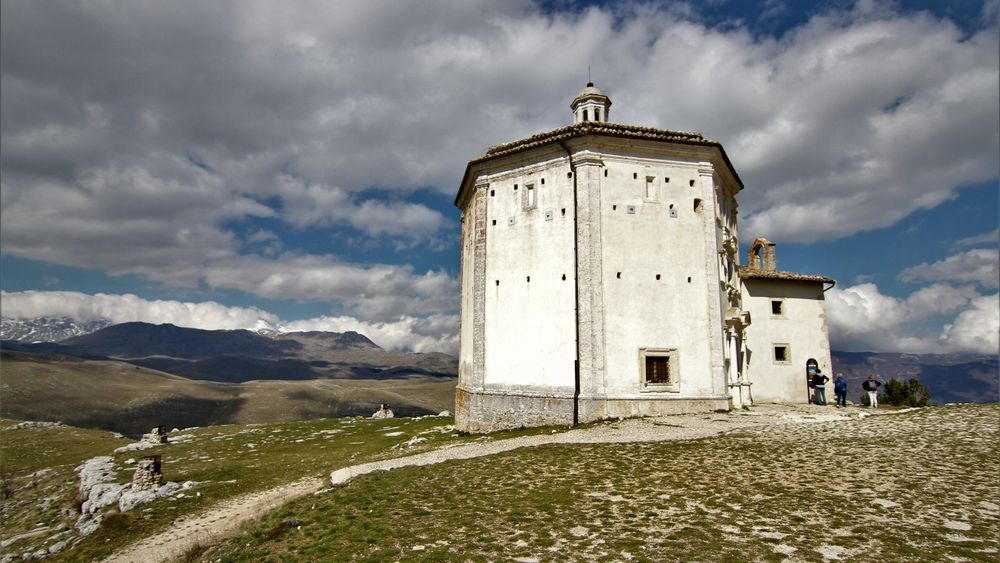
[236, 356]
[131, 399]
[949, 378]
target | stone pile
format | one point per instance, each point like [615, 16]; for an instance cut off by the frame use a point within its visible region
[155, 437]
[148, 473]
[384, 412]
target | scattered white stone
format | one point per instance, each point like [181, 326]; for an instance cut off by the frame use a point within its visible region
[392, 434]
[990, 506]
[36, 424]
[411, 442]
[959, 539]
[130, 499]
[784, 549]
[444, 413]
[833, 552]
[579, 532]
[250, 445]
[168, 489]
[418, 548]
[58, 546]
[862, 415]
[101, 495]
[33, 533]
[956, 525]
[384, 412]
[130, 461]
[725, 528]
[885, 503]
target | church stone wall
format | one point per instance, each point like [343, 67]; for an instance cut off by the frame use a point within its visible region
[529, 277]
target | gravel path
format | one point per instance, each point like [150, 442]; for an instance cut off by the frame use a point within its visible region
[226, 518]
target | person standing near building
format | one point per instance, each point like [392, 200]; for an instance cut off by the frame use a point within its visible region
[871, 385]
[819, 384]
[840, 390]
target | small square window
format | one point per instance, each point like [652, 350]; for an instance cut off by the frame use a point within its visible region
[782, 354]
[659, 369]
[777, 308]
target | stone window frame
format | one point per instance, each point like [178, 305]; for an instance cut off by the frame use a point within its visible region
[529, 197]
[673, 356]
[650, 190]
[788, 353]
[781, 308]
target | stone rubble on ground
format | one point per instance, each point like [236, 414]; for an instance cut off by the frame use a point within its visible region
[155, 437]
[98, 489]
[37, 424]
[384, 412]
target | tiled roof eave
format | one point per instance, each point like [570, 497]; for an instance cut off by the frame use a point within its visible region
[748, 273]
[593, 128]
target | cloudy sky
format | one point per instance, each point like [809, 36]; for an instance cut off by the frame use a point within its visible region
[229, 164]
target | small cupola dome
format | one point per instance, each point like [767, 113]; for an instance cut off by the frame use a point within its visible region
[590, 105]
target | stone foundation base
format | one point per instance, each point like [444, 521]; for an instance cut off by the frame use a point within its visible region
[488, 412]
[485, 411]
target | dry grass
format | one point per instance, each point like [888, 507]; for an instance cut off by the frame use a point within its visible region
[131, 399]
[919, 486]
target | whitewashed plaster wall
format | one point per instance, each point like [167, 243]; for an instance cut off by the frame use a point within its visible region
[529, 313]
[802, 326]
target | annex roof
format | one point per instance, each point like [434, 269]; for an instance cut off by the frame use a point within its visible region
[751, 273]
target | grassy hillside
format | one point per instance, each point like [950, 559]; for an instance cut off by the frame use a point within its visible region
[226, 461]
[919, 486]
[131, 399]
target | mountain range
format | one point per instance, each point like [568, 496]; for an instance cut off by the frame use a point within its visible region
[236, 356]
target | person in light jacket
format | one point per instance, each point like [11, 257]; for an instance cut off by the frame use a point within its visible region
[871, 385]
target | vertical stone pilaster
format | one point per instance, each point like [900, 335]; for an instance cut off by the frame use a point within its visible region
[716, 296]
[478, 226]
[590, 272]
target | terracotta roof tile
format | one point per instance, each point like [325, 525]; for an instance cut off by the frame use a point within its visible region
[589, 128]
[746, 272]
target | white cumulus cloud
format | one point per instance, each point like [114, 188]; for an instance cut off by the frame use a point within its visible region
[864, 319]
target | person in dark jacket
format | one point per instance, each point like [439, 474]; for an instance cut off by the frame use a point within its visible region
[819, 384]
[871, 385]
[840, 390]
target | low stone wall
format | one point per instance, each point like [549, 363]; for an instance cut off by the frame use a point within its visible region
[485, 411]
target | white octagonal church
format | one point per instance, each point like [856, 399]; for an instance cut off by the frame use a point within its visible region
[600, 279]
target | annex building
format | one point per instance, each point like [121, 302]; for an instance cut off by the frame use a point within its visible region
[601, 278]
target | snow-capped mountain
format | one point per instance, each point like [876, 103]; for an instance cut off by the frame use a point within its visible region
[47, 329]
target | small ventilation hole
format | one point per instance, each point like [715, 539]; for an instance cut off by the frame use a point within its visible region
[605, 172]
[494, 221]
[691, 183]
[515, 187]
[614, 208]
[619, 276]
[689, 279]
[529, 279]
[564, 211]
[492, 193]
[635, 175]
[543, 181]
[498, 283]
[564, 277]
[666, 180]
[657, 277]
[569, 174]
